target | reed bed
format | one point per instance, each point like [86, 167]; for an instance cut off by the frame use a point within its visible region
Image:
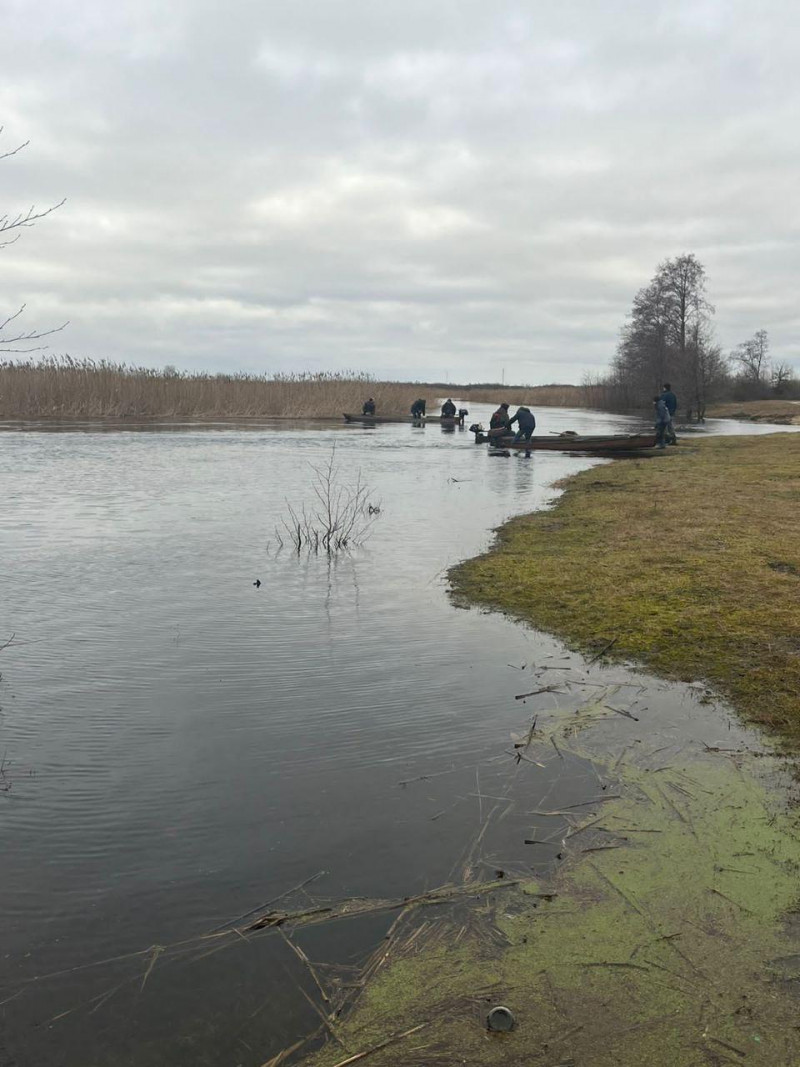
[555, 396]
[69, 388]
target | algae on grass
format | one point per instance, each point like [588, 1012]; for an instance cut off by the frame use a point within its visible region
[690, 565]
[666, 949]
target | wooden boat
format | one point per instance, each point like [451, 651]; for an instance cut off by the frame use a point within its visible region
[374, 420]
[617, 442]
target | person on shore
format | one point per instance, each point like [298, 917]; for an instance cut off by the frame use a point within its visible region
[661, 420]
[418, 409]
[671, 402]
[369, 407]
[448, 409]
[526, 423]
[500, 423]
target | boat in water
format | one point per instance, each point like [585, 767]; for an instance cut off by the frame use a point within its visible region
[572, 442]
[374, 420]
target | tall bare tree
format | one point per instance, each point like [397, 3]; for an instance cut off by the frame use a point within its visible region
[10, 334]
[668, 337]
[751, 359]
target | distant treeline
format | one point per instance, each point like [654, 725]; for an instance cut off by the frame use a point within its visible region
[52, 387]
[669, 337]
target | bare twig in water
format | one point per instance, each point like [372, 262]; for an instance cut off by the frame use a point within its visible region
[544, 689]
[285, 1053]
[602, 652]
[340, 517]
[382, 1044]
[157, 950]
[304, 959]
[622, 711]
[272, 900]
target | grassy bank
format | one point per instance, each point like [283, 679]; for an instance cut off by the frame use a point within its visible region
[689, 562]
[779, 411]
[66, 388]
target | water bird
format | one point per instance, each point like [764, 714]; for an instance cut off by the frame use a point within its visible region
[257, 583]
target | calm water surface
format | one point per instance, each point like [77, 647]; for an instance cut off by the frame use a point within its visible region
[183, 747]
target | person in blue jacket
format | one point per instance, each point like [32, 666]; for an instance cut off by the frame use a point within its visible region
[671, 402]
[661, 420]
[526, 422]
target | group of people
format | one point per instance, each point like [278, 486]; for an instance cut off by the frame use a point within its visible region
[501, 423]
[665, 407]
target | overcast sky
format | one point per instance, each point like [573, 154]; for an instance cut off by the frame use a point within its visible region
[417, 189]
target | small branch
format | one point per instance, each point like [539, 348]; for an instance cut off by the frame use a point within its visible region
[382, 1044]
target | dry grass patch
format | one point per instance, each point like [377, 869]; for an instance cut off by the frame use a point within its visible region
[690, 561]
[782, 411]
[559, 396]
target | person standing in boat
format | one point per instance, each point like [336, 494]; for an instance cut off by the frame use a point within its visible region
[418, 409]
[526, 423]
[448, 410]
[671, 402]
[369, 407]
[661, 420]
[500, 423]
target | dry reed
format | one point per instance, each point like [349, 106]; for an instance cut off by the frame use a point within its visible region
[552, 396]
[51, 387]
[67, 388]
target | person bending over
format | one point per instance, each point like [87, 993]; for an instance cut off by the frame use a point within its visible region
[526, 424]
[418, 409]
[448, 409]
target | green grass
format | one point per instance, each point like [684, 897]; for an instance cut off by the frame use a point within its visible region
[689, 561]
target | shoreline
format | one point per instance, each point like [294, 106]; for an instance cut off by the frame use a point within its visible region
[692, 569]
[664, 933]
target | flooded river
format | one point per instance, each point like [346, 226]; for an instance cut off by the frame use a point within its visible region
[183, 746]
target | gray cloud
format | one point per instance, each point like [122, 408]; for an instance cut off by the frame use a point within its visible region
[413, 189]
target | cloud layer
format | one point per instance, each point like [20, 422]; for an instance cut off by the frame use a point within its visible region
[418, 190]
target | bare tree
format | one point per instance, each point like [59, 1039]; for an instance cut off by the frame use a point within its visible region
[14, 224]
[781, 378]
[751, 358]
[668, 337]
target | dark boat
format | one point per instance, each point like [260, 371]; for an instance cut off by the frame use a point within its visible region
[617, 442]
[373, 420]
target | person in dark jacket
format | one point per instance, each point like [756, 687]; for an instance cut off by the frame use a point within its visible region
[526, 422]
[418, 409]
[661, 420]
[500, 423]
[448, 409]
[369, 407]
[671, 402]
